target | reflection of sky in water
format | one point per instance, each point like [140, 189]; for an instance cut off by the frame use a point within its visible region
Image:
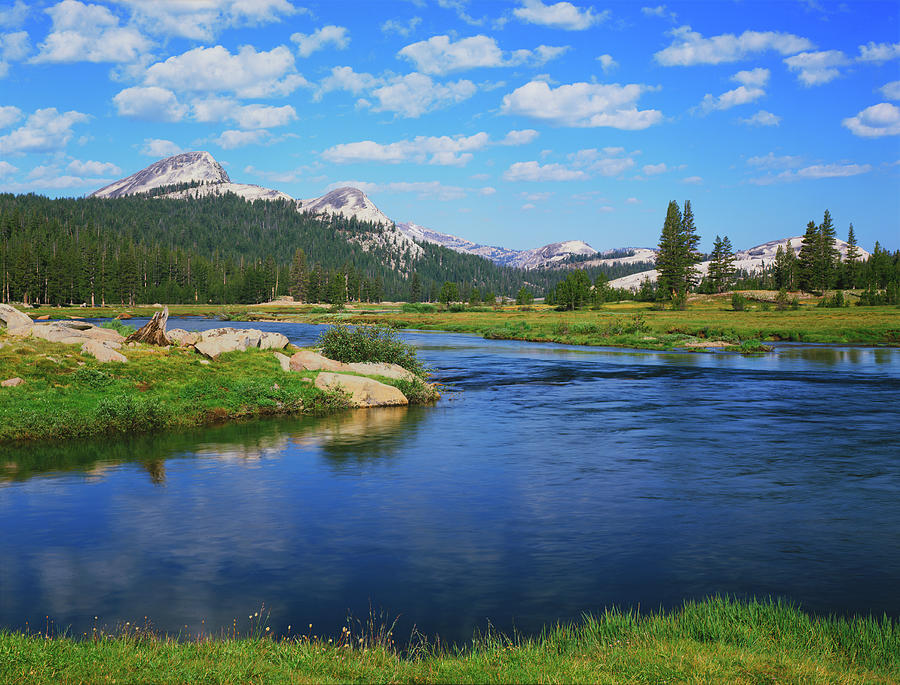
[559, 480]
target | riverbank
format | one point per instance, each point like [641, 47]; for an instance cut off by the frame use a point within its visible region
[717, 640]
[709, 319]
[64, 392]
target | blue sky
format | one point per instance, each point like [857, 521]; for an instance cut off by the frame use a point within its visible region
[514, 123]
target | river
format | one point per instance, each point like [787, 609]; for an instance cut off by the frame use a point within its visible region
[549, 481]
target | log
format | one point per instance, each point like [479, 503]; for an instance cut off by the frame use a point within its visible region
[154, 331]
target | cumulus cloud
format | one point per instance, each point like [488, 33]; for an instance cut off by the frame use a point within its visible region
[533, 171]
[9, 115]
[607, 63]
[658, 11]
[150, 104]
[159, 147]
[7, 169]
[415, 94]
[522, 137]
[401, 28]
[582, 105]
[561, 15]
[92, 168]
[320, 38]
[442, 150]
[263, 116]
[817, 68]
[441, 55]
[878, 52]
[750, 89]
[228, 140]
[654, 169]
[891, 90]
[14, 15]
[607, 161]
[773, 161]
[878, 120]
[89, 33]
[203, 20]
[689, 47]
[432, 190]
[13, 47]
[753, 77]
[47, 130]
[693, 180]
[51, 176]
[247, 73]
[344, 78]
[814, 172]
[762, 118]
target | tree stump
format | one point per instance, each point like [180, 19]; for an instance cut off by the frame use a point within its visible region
[154, 331]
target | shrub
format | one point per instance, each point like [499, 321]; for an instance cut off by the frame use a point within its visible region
[370, 343]
[124, 414]
[418, 308]
[738, 302]
[781, 300]
[92, 378]
[122, 329]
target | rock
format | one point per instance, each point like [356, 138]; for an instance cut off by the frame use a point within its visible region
[104, 334]
[21, 331]
[272, 341]
[102, 353]
[45, 317]
[225, 343]
[75, 325]
[12, 382]
[364, 392]
[55, 332]
[205, 362]
[13, 318]
[284, 360]
[381, 369]
[124, 315]
[307, 360]
[181, 337]
[253, 335]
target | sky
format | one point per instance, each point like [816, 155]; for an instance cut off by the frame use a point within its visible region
[507, 122]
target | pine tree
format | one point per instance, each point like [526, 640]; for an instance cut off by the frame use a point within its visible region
[721, 267]
[806, 267]
[828, 257]
[851, 264]
[415, 288]
[677, 253]
[298, 275]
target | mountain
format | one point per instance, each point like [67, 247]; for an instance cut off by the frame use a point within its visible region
[348, 202]
[545, 256]
[188, 167]
[750, 260]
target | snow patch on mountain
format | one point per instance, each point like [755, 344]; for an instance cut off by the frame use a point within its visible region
[188, 167]
[244, 190]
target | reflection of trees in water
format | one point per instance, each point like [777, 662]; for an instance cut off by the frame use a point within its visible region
[357, 434]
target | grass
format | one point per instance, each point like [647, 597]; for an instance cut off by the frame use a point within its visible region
[716, 640]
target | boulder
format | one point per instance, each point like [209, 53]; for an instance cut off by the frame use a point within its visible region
[364, 392]
[12, 382]
[21, 331]
[58, 333]
[13, 318]
[380, 369]
[181, 337]
[272, 341]
[213, 347]
[307, 360]
[284, 360]
[103, 334]
[45, 317]
[102, 353]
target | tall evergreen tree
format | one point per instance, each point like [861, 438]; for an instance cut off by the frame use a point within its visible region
[851, 263]
[807, 261]
[721, 266]
[415, 288]
[678, 253]
[828, 257]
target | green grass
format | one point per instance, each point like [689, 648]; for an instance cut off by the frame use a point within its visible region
[717, 640]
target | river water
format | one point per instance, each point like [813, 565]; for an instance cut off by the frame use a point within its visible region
[550, 481]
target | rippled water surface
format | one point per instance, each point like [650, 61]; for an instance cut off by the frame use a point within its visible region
[553, 481]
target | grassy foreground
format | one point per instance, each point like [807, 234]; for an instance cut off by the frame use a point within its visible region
[718, 640]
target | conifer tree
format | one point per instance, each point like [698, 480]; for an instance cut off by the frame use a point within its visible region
[828, 257]
[851, 264]
[721, 267]
[677, 253]
[806, 267]
[298, 275]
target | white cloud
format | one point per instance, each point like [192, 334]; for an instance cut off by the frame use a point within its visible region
[732, 98]
[415, 94]
[431, 190]
[318, 39]
[89, 33]
[159, 147]
[773, 161]
[6, 168]
[632, 201]
[344, 78]
[878, 52]
[229, 140]
[15, 15]
[247, 73]
[609, 161]
[582, 105]
[814, 172]
[263, 116]
[47, 130]
[440, 55]
[214, 109]
[533, 171]
[9, 115]
[149, 103]
[202, 20]
[522, 137]
[92, 168]
[817, 68]
[653, 169]
[689, 47]
[51, 176]
[878, 120]
[758, 77]
[891, 90]
[762, 118]
[658, 11]
[14, 46]
[487, 190]
[693, 180]
[442, 150]
[607, 62]
[399, 27]
[562, 15]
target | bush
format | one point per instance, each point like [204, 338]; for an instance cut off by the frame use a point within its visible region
[122, 329]
[92, 378]
[738, 302]
[418, 308]
[124, 414]
[781, 300]
[370, 343]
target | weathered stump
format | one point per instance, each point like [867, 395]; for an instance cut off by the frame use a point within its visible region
[154, 331]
